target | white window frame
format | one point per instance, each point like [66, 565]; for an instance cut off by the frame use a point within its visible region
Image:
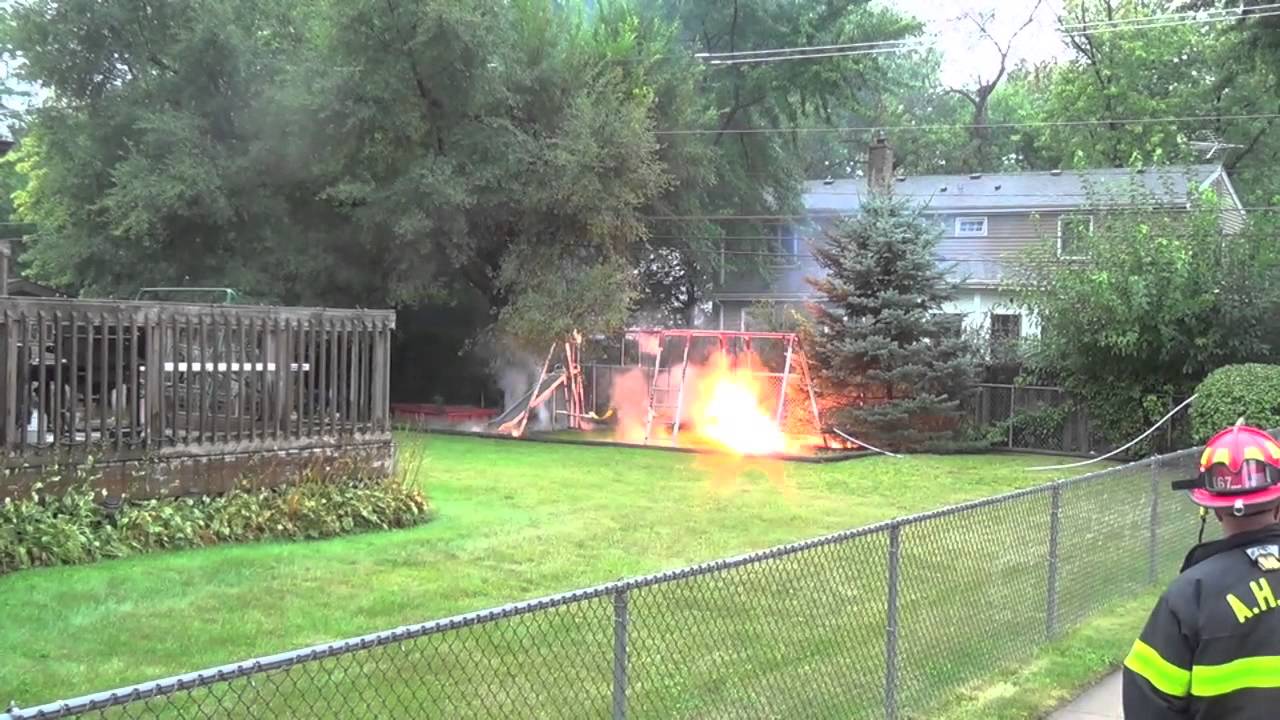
[970, 219]
[991, 323]
[1072, 216]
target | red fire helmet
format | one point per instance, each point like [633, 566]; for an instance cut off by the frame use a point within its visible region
[1240, 467]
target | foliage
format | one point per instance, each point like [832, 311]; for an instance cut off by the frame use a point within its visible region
[1250, 391]
[1162, 299]
[355, 153]
[73, 527]
[407, 151]
[1171, 71]
[1037, 428]
[880, 338]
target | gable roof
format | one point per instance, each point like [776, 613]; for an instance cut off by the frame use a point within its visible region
[1034, 190]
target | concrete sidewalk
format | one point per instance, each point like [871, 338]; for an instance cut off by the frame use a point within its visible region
[1100, 702]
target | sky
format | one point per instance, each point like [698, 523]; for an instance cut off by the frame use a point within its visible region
[966, 54]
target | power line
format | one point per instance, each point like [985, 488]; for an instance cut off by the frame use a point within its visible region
[903, 46]
[1211, 15]
[970, 126]
[845, 46]
[1070, 30]
[1154, 25]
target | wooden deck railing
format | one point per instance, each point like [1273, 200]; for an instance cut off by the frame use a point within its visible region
[126, 380]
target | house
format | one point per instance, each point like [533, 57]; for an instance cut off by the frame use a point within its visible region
[985, 221]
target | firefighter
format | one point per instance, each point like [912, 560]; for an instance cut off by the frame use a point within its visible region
[1211, 647]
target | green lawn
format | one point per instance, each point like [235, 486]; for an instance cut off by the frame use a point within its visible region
[515, 521]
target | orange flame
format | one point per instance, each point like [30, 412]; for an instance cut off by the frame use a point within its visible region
[727, 411]
[724, 407]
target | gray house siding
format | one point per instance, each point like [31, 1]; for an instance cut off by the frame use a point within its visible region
[1007, 233]
[1021, 210]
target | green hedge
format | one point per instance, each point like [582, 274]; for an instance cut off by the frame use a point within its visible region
[74, 527]
[1251, 391]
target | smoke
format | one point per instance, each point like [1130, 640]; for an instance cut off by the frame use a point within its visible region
[515, 372]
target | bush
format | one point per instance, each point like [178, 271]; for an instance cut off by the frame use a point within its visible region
[75, 527]
[1251, 391]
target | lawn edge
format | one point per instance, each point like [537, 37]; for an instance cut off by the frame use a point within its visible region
[1056, 674]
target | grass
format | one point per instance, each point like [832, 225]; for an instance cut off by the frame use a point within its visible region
[1057, 673]
[516, 520]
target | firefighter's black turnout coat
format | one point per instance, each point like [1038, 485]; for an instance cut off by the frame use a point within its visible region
[1211, 648]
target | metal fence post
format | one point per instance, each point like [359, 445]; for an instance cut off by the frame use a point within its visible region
[621, 618]
[1155, 520]
[891, 626]
[1051, 599]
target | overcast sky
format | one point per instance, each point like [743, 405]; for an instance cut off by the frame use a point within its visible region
[966, 54]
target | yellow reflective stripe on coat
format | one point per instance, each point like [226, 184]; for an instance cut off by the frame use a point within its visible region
[1251, 672]
[1162, 674]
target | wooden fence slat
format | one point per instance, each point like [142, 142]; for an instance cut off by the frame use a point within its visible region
[343, 378]
[248, 387]
[261, 398]
[135, 428]
[362, 367]
[89, 361]
[297, 402]
[58, 358]
[322, 396]
[119, 400]
[104, 381]
[42, 379]
[9, 387]
[312, 381]
[73, 370]
[239, 355]
[333, 394]
[280, 380]
[155, 382]
[380, 376]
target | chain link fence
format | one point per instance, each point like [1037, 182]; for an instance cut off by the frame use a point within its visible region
[886, 621]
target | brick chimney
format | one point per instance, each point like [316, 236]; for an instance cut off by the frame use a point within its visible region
[880, 166]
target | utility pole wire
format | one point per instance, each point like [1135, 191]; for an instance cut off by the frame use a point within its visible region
[967, 126]
[880, 47]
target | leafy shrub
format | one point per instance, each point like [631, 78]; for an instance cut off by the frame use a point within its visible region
[74, 527]
[1251, 391]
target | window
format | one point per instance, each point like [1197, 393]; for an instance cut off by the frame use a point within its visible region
[971, 227]
[1005, 328]
[1073, 233]
[785, 246]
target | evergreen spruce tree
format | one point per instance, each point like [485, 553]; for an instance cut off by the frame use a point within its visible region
[897, 367]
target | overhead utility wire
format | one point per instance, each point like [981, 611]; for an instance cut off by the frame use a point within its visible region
[1153, 25]
[970, 126]
[901, 46]
[804, 48]
[897, 46]
[1185, 15]
[1210, 15]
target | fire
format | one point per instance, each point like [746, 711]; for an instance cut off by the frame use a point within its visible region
[727, 411]
[724, 407]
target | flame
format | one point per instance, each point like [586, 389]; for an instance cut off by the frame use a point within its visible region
[727, 411]
[724, 407]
